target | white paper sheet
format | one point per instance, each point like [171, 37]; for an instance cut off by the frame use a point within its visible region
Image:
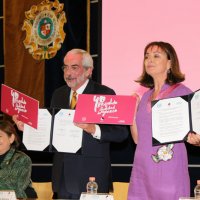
[38, 139]
[170, 120]
[66, 136]
[85, 196]
[195, 106]
[174, 118]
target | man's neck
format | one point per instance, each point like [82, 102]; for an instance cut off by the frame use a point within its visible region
[82, 87]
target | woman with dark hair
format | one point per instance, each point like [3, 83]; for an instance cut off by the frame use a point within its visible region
[159, 172]
[15, 166]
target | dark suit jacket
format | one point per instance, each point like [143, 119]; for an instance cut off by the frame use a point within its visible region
[94, 159]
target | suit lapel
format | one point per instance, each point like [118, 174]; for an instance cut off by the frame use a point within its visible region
[89, 88]
[67, 98]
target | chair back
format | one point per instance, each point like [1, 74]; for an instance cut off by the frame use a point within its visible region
[120, 190]
[43, 190]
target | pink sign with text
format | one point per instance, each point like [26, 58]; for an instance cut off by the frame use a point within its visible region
[105, 109]
[14, 102]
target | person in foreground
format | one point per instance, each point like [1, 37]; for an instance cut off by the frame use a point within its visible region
[159, 172]
[71, 172]
[15, 166]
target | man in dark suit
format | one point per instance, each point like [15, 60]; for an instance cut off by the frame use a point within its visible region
[71, 172]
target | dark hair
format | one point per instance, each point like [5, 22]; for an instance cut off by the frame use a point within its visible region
[8, 128]
[174, 75]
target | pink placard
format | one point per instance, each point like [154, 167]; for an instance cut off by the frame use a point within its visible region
[105, 109]
[14, 102]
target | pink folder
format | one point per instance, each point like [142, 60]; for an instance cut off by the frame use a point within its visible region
[105, 109]
[14, 102]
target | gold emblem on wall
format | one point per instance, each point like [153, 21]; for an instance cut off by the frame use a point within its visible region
[44, 29]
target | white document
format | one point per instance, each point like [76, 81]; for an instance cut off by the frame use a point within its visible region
[174, 118]
[56, 131]
[38, 139]
[85, 196]
[66, 136]
[7, 195]
[195, 107]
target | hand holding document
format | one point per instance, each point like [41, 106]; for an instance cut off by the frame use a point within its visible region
[56, 129]
[14, 102]
[105, 109]
[174, 118]
[193, 139]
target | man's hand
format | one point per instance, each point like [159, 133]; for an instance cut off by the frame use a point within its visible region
[89, 128]
[193, 139]
[20, 124]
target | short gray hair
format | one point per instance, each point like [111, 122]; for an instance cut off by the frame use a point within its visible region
[87, 60]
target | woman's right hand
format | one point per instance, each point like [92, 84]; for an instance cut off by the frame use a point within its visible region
[133, 128]
[20, 124]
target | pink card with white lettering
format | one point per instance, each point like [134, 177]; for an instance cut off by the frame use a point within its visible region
[105, 109]
[14, 102]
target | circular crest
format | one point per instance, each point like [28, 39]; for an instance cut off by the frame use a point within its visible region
[44, 29]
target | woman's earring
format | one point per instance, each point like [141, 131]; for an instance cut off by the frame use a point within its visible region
[169, 71]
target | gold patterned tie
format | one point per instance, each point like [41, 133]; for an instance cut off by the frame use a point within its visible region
[74, 100]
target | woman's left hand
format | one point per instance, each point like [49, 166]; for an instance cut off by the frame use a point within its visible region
[193, 139]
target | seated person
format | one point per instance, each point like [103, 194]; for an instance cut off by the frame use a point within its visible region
[15, 166]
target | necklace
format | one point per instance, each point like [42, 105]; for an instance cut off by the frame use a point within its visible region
[161, 95]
